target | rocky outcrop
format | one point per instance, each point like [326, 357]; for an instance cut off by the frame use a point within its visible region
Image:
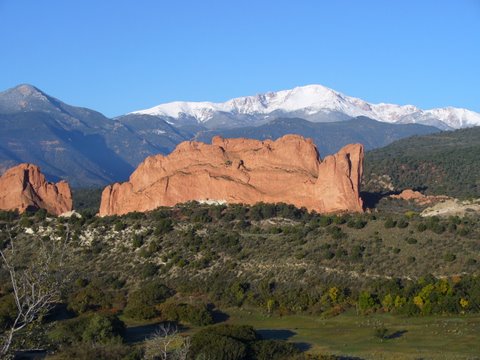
[243, 171]
[25, 187]
[453, 207]
[419, 198]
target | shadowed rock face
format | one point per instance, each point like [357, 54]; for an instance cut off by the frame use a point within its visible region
[243, 171]
[24, 187]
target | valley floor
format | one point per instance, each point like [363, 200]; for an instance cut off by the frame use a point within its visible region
[429, 337]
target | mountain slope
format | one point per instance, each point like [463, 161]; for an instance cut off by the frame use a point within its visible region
[314, 103]
[88, 149]
[329, 137]
[158, 132]
[445, 163]
[72, 143]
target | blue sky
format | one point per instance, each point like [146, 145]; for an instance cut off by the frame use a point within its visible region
[117, 56]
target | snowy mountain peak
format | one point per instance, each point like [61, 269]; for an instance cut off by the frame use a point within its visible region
[315, 103]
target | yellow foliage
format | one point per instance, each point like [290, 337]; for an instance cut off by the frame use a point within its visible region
[444, 287]
[464, 303]
[410, 214]
[400, 301]
[333, 294]
[387, 302]
[417, 300]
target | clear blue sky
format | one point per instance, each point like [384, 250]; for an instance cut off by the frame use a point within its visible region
[117, 56]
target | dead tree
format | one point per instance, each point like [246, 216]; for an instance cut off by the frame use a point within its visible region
[167, 344]
[36, 285]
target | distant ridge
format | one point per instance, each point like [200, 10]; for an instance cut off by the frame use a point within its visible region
[446, 163]
[88, 149]
[329, 137]
[315, 103]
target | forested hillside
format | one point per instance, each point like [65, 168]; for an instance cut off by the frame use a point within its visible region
[444, 163]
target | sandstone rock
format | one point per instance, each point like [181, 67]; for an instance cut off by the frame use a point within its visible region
[243, 171]
[419, 198]
[25, 187]
[408, 194]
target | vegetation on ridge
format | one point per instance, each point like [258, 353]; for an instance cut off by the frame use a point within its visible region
[447, 163]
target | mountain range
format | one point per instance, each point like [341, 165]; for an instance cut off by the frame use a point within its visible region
[315, 103]
[88, 149]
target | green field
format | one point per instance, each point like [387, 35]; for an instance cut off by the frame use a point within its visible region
[433, 337]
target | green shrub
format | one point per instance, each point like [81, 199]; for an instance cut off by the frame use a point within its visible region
[111, 351]
[8, 216]
[389, 223]
[421, 227]
[242, 333]
[325, 220]
[471, 262]
[103, 329]
[449, 257]
[68, 332]
[216, 347]
[119, 226]
[148, 270]
[88, 328]
[402, 224]
[357, 252]
[366, 302]
[356, 223]
[91, 297]
[223, 342]
[164, 226]
[273, 350]
[197, 315]
[8, 311]
[339, 220]
[411, 240]
[381, 333]
[25, 222]
[141, 303]
[137, 241]
[336, 233]
[438, 228]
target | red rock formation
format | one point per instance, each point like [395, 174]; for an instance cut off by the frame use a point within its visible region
[419, 198]
[24, 186]
[243, 171]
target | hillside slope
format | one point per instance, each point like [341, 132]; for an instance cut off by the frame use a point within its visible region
[444, 163]
[72, 143]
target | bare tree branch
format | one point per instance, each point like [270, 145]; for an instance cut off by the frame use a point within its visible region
[167, 344]
[36, 285]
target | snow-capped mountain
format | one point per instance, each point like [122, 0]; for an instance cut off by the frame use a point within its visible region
[315, 103]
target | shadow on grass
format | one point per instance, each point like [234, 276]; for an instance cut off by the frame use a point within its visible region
[219, 316]
[30, 355]
[396, 334]
[136, 334]
[371, 199]
[303, 346]
[59, 312]
[275, 334]
[282, 334]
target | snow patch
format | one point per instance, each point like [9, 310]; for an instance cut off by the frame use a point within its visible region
[316, 99]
